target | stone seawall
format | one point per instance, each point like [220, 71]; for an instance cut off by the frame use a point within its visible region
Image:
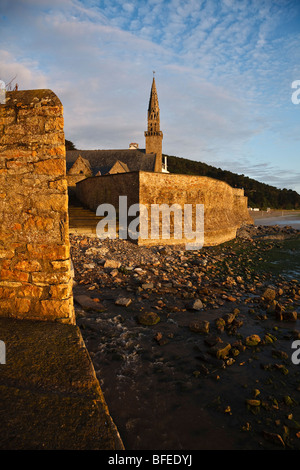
[225, 208]
[35, 270]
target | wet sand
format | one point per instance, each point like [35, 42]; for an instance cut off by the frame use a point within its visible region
[165, 386]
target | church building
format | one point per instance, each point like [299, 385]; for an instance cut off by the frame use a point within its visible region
[104, 162]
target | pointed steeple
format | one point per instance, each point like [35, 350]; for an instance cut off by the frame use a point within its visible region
[153, 134]
[153, 110]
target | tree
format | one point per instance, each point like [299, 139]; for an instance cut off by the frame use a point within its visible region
[69, 145]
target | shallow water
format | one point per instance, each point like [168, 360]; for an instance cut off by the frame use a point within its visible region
[291, 221]
[285, 259]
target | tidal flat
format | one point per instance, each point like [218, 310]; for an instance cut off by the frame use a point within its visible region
[195, 350]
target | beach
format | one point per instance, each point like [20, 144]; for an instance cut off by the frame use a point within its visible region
[193, 349]
[277, 217]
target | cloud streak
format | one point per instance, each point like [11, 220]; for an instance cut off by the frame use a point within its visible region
[224, 70]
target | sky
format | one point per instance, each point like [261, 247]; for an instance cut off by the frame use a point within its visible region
[224, 71]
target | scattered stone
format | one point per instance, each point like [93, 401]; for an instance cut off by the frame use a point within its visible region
[89, 266]
[114, 272]
[158, 336]
[220, 324]
[195, 305]
[96, 251]
[220, 350]
[148, 318]
[253, 402]
[269, 338]
[148, 285]
[228, 318]
[253, 340]
[123, 301]
[274, 438]
[199, 326]
[269, 294]
[87, 303]
[110, 263]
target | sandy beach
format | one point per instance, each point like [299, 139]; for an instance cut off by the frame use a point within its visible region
[280, 217]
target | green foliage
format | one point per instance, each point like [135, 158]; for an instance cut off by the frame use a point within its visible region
[259, 194]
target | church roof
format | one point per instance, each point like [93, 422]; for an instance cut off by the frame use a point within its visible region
[103, 160]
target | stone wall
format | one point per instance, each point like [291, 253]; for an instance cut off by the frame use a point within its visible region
[35, 271]
[225, 208]
[97, 190]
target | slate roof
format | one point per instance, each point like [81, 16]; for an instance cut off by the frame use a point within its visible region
[103, 160]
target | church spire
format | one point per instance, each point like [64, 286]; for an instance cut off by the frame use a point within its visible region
[153, 134]
[153, 110]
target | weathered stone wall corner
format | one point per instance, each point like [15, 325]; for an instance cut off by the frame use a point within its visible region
[35, 267]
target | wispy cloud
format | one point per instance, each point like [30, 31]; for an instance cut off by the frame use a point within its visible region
[224, 70]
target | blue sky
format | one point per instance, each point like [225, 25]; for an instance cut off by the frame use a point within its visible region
[224, 73]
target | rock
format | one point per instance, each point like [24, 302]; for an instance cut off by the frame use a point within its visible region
[158, 337]
[87, 303]
[89, 266]
[160, 340]
[229, 317]
[220, 324]
[123, 301]
[148, 318]
[220, 350]
[199, 326]
[148, 285]
[253, 340]
[253, 402]
[114, 272]
[110, 263]
[269, 294]
[194, 305]
[96, 251]
[275, 438]
[269, 338]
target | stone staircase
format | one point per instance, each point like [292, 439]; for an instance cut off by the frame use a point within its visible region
[81, 220]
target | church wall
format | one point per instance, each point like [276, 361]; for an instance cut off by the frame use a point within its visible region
[97, 190]
[35, 267]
